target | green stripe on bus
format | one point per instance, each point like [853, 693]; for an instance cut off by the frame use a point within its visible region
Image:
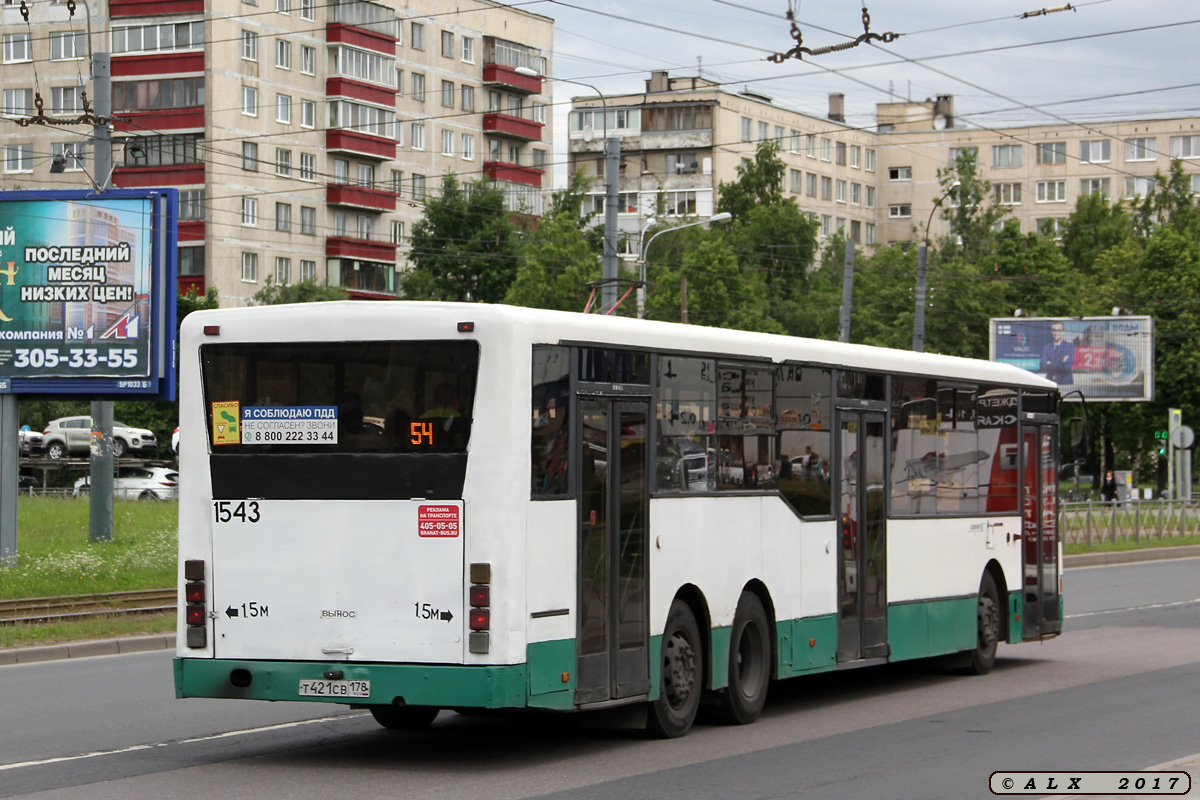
[549, 663]
[932, 627]
[806, 645]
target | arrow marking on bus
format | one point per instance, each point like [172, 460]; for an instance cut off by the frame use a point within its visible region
[447, 616]
[231, 612]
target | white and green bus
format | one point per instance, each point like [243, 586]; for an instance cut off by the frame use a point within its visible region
[408, 507]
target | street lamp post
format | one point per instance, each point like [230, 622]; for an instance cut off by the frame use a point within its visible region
[918, 341]
[612, 175]
[641, 310]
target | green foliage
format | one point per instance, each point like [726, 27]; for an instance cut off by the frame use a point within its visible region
[760, 182]
[1093, 227]
[465, 247]
[972, 218]
[306, 291]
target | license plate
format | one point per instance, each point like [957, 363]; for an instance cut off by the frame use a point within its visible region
[335, 688]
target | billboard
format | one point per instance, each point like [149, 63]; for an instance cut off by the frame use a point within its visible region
[87, 292]
[1105, 358]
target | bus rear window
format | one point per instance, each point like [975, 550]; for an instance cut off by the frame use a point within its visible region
[340, 397]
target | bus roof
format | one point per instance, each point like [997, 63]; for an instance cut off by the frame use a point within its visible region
[361, 320]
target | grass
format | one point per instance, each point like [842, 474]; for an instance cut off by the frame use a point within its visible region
[1129, 544]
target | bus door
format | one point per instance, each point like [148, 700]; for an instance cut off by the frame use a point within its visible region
[613, 618]
[1040, 616]
[862, 591]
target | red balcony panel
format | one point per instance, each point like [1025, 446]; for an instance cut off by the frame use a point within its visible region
[340, 194]
[360, 144]
[171, 119]
[187, 283]
[505, 171]
[511, 79]
[145, 8]
[141, 177]
[360, 37]
[362, 249]
[357, 90]
[191, 230]
[513, 127]
[158, 64]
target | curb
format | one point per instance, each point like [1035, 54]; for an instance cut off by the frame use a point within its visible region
[102, 647]
[1131, 556]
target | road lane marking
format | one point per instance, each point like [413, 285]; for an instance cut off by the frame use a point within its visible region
[210, 737]
[1132, 608]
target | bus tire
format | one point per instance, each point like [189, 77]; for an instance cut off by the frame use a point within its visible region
[404, 718]
[682, 661]
[980, 660]
[749, 664]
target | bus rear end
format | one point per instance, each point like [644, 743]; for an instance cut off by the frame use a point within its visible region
[322, 524]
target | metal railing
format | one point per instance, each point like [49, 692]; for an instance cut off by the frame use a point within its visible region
[1096, 521]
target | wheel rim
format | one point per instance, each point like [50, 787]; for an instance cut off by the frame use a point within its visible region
[750, 661]
[989, 623]
[679, 670]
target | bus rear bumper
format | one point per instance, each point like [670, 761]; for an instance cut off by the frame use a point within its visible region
[444, 686]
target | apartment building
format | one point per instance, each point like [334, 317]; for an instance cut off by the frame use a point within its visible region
[303, 137]
[684, 136]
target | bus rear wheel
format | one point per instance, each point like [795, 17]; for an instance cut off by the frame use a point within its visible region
[682, 663]
[404, 718]
[982, 658]
[749, 664]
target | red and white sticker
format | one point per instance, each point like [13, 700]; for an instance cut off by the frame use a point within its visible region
[437, 521]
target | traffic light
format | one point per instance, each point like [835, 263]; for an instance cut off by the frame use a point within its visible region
[1160, 438]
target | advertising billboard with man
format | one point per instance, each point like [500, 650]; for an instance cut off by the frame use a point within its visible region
[1104, 358]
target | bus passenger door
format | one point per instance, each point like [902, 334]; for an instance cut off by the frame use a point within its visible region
[1040, 615]
[613, 618]
[862, 527]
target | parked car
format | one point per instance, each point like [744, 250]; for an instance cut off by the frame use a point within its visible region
[29, 441]
[67, 436]
[139, 483]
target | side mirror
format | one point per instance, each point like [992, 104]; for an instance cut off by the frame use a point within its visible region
[1077, 436]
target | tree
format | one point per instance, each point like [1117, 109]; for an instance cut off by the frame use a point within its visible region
[971, 215]
[306, 291]
[760, 182]
[465, 247]
[1093, 227]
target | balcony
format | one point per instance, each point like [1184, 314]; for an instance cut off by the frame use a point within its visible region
[360, 197]
[510, 79]
[167, 119]
[362, 24]
[360, 249]
[501, 58]
[513, 127]
[362, 145]
[146, 8]
[513, 173]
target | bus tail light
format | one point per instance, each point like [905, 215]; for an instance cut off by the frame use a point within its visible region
[479, 618]
[196, 610]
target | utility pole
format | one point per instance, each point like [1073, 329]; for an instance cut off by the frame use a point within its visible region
[100, 480]
[847, 293]
[612, 177]
[918, 343]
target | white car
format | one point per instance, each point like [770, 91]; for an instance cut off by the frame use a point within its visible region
[29, 442]
[175, 442]
[140, 483]
[69, 436]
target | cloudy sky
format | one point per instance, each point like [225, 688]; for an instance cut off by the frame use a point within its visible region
[1105, 60]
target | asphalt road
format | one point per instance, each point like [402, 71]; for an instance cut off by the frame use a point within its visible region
[1118, 691]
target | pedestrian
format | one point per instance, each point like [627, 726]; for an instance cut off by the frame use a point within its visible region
[1108, 489]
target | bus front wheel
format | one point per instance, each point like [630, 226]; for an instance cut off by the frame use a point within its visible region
[682, 664]
[749, 664]
[404, 718]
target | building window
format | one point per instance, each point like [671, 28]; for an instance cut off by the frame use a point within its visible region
[162, 150]
[840, 150]
[366, 175]
[468, 49]
[447, 44]
[249, 45]
[250, 101]
[1095, 152]
[870, 233]
[69, 45]
[417, 139]
[308, 270]
[341, 171]
[900, 211]
[191, 262]
[797, 181]
[840, 191]
[397, 232]
[1006, 194]
[250, 156]
[250, 267]
[1140, 149]
[826, 225]
[65, 100]
[1051, 226]
[283, 108]
[308, 59]
[794, 143]
[855, 156]
[1006, 155]
[283, 54]
[856, 194]
[417, 40]
[810, 184]
[826, 188]
[157, 93]
[1185, 147]
[283, 271]
[397, 182]
[74, 156]
[448, 94]
[366, 227]
[308, 220]
[306, 9]
[18, 47]
[958, 152]
[468, 98]
[870, 164]
[516, 105]
[249, 211]
[283, 162]
[155, 37]
[764, 131]
[747, 129]
[283, 6]
[855, 231]
[283, 217]
[418, 87]
[1052, 191]
[1052, 153]
[418, 183]
[18, 158]
[870, 197]
[341, 223]
[447, 142]
[680, 204]
[899, 173]
[810, 145]
[308, 114]
[308, 166]
[1095, 186]
[468, 147]
[826, 149]
[1196, 184]
[539, 112]
[1139, 187]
